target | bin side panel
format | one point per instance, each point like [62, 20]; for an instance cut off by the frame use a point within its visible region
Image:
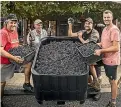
[60, 88]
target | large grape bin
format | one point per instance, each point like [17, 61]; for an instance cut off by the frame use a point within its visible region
[59, 70]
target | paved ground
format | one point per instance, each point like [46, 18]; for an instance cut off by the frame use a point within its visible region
[29, 101]
[15, 96]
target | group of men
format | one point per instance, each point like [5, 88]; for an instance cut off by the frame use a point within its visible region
[110, 44]
[9, 39]
[110, 48]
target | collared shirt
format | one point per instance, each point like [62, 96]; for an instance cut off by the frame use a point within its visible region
[8, 40]
[107, 38]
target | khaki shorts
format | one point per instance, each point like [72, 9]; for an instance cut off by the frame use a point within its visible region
[7, 71]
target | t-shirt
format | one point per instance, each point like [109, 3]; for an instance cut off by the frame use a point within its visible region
[107, 38]
[92, 36]
[8, 40]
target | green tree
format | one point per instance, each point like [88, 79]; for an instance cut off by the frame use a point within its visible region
[53, 9]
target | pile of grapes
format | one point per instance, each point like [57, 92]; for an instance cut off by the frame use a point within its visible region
[60, 58]
[88, 49]
[25, 51]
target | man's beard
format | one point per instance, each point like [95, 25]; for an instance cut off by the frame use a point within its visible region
[88, 29]
[38, 30]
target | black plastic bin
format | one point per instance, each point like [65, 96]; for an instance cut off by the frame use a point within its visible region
[56, 85]
[60, 87]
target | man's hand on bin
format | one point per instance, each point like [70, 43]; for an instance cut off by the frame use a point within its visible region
[18, 59]
[97, 52]
[81, 39]
[99, 44]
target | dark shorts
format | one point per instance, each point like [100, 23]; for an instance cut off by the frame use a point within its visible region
[111, 71]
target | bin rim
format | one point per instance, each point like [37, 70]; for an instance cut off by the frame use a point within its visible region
[94, 61]
[34, 72]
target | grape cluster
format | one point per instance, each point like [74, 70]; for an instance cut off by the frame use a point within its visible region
[60, 58]
[70, 20]
[23, 51]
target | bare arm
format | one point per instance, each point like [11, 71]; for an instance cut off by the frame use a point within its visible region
[28, 36]
[79, 34]
[99, 44]
[70, 33]
[81, 39]
[8, 55]
[114, 48]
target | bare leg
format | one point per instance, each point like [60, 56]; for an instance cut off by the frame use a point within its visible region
[113, 89]
[93, 71]
[27, 72]
[2, 89]
[119, 81]
[90, 79]
[95, 84]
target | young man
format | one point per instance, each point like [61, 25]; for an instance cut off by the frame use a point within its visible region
[9, 39]
[110, 43]
[34, 36]
[85, 36]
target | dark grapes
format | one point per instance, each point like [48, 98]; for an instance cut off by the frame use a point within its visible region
[88, 49]
[25, 51]
[60, 58]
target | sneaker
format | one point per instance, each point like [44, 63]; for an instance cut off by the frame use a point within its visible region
[97, 97]
[95, 85]
[28, 87]
[110, 104]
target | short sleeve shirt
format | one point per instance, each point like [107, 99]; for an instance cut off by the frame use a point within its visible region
[107, 38]
[92, 36]
[8, 40]
[36, 37]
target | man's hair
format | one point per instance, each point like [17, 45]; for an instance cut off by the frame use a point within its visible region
[108, 11]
